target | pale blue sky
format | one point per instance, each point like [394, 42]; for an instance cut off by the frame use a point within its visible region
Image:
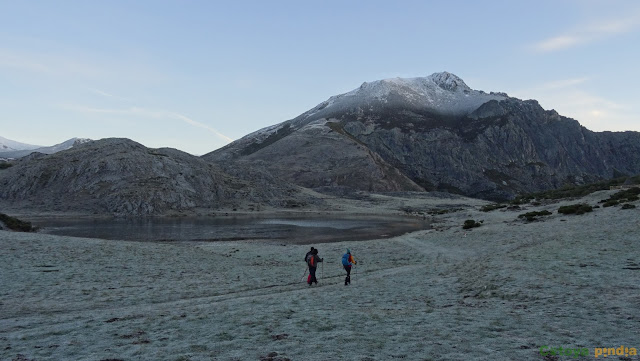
[194, 75]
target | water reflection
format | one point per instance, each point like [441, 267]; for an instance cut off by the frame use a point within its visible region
[290, 230]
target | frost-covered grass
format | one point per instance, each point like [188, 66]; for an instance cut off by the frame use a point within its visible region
[497, 292]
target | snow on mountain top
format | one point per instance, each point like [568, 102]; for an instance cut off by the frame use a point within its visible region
[448, 81]
[7, 150]
[8, 145]
[441, 92]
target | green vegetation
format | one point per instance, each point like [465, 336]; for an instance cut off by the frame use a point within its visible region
[16, 224]
[628, 206]
[574, 191]
[5, 165]
[523, 199]
[627, 195]
[491, 207]
[531, 216]
[438, 212]
[470, 223]
[575, 209]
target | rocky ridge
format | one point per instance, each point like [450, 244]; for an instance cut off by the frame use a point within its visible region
[434, 133]
[122, 177]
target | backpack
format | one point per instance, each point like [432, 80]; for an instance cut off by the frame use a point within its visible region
[345, 259]
[311, 261]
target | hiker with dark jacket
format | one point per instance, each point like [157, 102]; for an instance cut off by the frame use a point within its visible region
[306, 257]
[313, 261]
[347, 262]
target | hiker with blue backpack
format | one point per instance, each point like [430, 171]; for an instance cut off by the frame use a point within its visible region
[347, 262]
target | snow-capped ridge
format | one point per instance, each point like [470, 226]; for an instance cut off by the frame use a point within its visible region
[448, 81]
[443, 93]
[19, 153]
[8, 145]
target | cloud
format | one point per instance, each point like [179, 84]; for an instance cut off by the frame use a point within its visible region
[595, 112]
[107, 95]
[589, 33]
[103, 93]
[47, 64]
[558, 43]
[148, 113]
[564, 83]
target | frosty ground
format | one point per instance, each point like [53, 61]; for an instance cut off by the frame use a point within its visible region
[497, 292]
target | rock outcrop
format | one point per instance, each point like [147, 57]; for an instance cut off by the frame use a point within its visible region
[434, 133]
[122, 177]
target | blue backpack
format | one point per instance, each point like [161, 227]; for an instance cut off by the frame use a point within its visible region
[345, 259]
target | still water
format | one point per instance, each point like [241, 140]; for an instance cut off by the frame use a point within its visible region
[290, 230]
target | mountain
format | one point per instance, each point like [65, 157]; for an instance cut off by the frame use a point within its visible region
[26, 149]
[122, 177]
[433, 133]
[8, 145]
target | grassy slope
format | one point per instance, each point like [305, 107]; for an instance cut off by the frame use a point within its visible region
[497, 292]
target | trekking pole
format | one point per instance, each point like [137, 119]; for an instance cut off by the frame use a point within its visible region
[322, 271]
[305, 272]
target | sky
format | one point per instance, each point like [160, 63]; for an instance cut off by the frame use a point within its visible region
[196, 75]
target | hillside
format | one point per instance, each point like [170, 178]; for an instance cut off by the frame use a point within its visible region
[122, 177]
[23, 150]
[434, 133]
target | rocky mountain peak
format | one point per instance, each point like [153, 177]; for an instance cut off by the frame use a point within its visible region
[449, 81]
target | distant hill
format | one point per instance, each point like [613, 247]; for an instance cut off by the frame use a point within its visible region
[122, 177]
[8, 145]
[433, 133]
[14, 149]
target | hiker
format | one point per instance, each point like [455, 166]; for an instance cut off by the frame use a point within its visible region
[306, 257]
[347, 262]
[313, 261]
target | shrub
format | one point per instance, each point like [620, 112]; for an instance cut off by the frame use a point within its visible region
[470, 223]
[610, 203]
[573, 191]
[531, 216]
[437, 212]
[630, 195]
[575, 209]
[491, 207]
[628, 206]
[15, 224]
[522, 199]
[5, 165]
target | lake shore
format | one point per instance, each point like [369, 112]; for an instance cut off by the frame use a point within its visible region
[497, 292]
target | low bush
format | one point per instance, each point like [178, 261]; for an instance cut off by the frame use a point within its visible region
[15, 224]
[576, 191]
[610, 203]
[629, 195]
[492, 207]
[470, 223]
[438, 212]
[628, 206]
[531, 216]
[5, 165]
[575, 209]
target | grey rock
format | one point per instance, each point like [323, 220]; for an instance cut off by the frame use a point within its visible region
[124, 178]
[434, 134]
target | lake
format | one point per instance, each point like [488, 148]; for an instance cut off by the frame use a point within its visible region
[298, 230]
